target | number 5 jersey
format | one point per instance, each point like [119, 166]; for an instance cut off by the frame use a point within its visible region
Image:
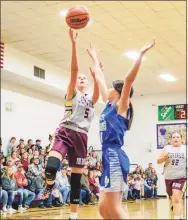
[79, 112]
[175, 165]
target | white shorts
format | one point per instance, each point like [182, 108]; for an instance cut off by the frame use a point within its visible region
[117, 183]
[116, 186]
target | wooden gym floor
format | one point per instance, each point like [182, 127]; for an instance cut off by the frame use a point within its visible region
[150, 209]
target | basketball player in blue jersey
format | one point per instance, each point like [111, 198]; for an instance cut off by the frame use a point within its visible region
[71, 136]
[115, 120]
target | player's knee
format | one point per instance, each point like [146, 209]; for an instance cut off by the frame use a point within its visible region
[52, 168]
[114, 211]
[75, 188]
[176, 200]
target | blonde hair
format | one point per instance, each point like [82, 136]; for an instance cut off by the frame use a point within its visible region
[7, 173]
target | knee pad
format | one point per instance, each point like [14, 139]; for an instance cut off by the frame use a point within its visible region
[52, 167]
[75, 188]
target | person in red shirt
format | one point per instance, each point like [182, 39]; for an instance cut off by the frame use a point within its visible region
[93, 186]
[27, 196]
[24, 161]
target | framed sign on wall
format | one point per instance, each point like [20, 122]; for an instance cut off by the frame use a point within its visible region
[172, 112]
[164, 132]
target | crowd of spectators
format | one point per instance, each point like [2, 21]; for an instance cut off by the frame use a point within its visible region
[141, 184]
[23, 179]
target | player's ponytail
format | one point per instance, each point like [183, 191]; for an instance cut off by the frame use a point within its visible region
[131, 110]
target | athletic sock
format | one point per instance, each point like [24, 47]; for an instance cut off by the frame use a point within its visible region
[177, 217]
[73, 215]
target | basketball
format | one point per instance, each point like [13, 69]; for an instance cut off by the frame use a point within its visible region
[77, 17]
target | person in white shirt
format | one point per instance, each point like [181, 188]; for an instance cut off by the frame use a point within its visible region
[64, 186]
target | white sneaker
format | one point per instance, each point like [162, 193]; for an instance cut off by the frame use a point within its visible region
[4, 209]
[11, 210]
[21, 209]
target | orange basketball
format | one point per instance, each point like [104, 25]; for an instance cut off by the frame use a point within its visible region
[77, 17]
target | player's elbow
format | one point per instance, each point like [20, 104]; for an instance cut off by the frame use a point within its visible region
[159, 161]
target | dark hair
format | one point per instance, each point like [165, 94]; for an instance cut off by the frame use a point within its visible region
[29, 141]
[118, 86]
[131, 109]
[12, 138]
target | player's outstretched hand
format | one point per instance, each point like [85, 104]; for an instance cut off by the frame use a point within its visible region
[147, 47]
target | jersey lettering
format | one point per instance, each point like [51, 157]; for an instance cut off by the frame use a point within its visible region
[175, 162]
[86, 113]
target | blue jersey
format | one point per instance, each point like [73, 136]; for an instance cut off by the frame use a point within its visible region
[112, 126]
[112, 130]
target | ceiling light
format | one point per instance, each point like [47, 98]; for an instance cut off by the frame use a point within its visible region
[133, 55]
[168, 77]
[63, 13]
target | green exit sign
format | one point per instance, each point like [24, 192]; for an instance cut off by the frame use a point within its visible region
[166, 113]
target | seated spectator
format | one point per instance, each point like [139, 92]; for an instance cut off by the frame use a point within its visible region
[148, 188]
[29, 144]
[14, 159]
[155, 180]
[98, 166]
[9, 184]
[35, 169]
[22, 151]
[24, 161]
[57, 195]
[93, 186]
[69, 174]
[137, 171]
[130, 183]
[141, 169]
[38, 187]
[38, 145]
[26, 195]
[33, 147]
[45, 160]
[30, 154]
[2, 161]
[10, 145]
[137, 187]
[21, 144]
[41, 156]
[36, 153]
[98, 169]
[96, 177]
[92, 160]
[65, 163]
[50, 144]
[85, 186]
[148, 170]
[3, 194]
[64, 186]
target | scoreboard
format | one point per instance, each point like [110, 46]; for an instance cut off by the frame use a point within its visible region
[172, 112]
[180, 112]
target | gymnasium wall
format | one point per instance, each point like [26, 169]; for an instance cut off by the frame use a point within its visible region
[35, 115]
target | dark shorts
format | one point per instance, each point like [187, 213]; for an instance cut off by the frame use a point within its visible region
[72, 143]
[179, 184]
